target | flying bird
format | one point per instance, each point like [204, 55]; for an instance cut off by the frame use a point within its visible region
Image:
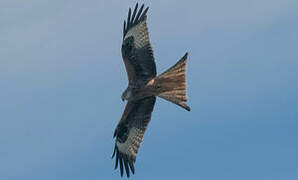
[143, 87]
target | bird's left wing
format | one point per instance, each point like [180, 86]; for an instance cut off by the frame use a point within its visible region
[130, 132]
[136, 48]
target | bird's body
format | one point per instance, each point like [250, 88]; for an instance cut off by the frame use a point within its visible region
[139, 91]
[143, 88]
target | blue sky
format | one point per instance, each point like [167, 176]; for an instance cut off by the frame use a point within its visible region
[62, 75]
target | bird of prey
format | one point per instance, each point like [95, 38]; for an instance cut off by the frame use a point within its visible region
[143, 88]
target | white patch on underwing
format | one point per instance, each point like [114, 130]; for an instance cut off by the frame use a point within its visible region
[140, 34]
[134, 139]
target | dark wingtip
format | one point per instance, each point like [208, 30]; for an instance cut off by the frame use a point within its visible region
[139, 13]
[124, 29]
[128, 19]
[121, 165]
[132, 168]
[129, 15]
[117, 159]
[134, 17]
[114, 153]
[142, 7]
[145, 12]
[134, 13]
[115, 133]
[125, 162]
[126, 165]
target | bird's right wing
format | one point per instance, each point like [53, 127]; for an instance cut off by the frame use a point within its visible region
[130, 132]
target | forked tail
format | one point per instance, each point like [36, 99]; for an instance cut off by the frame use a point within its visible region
[172, 84]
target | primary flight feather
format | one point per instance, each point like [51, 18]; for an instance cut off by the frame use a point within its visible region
[143, 87]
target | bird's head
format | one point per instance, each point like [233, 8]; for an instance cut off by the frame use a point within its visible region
[126, 95]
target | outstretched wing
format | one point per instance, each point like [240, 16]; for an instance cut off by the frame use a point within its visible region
[136, 48]
[130, 132]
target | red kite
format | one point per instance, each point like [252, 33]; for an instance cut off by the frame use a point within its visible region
[143, 87]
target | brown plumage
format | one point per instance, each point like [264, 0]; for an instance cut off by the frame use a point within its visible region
[143, 87]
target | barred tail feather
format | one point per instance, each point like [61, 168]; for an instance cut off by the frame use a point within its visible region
[172, 83]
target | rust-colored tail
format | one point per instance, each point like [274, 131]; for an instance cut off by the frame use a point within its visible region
[172, 83]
